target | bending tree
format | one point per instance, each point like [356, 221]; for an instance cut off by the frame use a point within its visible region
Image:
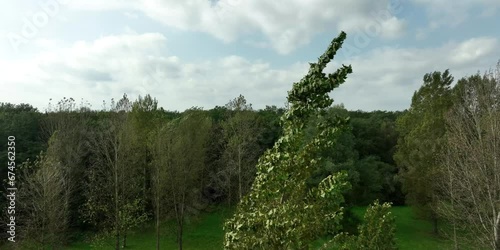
[280, 211]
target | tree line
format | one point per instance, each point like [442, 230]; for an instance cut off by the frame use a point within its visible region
[113, 169]
[448, 154]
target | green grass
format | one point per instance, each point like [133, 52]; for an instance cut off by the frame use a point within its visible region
[412, 232]
[206, 233]
[202, 233]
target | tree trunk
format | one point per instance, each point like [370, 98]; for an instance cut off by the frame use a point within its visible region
[239, 171]
[229, 189]
[496, 231]
[179, 236]
[435, 224]
[117, 241]
[117, 217]
[157, 224]
[124, 240]
[180, 225]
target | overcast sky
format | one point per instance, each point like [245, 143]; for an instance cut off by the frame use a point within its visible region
[205, 52]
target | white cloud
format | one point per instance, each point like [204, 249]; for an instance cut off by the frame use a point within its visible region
[286, 24]
[141, 64]
[473, 49]
[455, 12]
[386, 78]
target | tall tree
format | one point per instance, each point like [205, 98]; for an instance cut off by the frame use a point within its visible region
[72, 126]
[44, 197]
[471, 191]
[421, 142]
[242, 149]
[115, 170]
[281, 212]
[184, 161]
[144, 118]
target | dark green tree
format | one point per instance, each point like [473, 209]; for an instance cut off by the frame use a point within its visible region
[420, 144]
[242, 150]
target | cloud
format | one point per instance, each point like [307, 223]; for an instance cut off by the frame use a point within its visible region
[452, 13]
[387, 77]
[287, 25]
[139, 64]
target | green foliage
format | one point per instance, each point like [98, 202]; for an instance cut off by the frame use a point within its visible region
[114, 198]
[281, 212]
[241, 147]
[422, 130]
[23, 122]
[179, 164]
[377, 232]
[371, 177]
[43, 198]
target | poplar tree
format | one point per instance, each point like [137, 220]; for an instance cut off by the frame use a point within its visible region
[281, 211]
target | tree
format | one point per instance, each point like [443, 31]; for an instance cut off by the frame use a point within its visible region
[280, 211]
[470, 200]
[23, 122]
[114, 202]
[376, 233]
[144, 118]
[44, 197]
[71, 149]
[184, 158]
[162, 155]
[242, 149]
[420, 144]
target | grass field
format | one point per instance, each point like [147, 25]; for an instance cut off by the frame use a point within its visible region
[203, 233]
[207, 233]
[411, 232]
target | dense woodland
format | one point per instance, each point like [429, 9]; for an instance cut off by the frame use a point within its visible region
[131, 162]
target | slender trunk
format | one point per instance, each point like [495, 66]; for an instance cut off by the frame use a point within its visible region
[435, 224]
[179, 236]
[239, 170]
[180, 219]
[124, 240]
[157, 222]
[229, 189]
[157, 201]
[496, 231]
[117, 241]
[157, 234]
[117, 217]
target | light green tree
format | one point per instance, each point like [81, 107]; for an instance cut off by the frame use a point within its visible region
[44, 197]
[377, 232]
[280, 211]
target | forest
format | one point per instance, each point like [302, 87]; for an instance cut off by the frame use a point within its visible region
[309, 175]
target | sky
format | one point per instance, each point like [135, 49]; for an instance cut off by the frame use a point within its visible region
[205, 53]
